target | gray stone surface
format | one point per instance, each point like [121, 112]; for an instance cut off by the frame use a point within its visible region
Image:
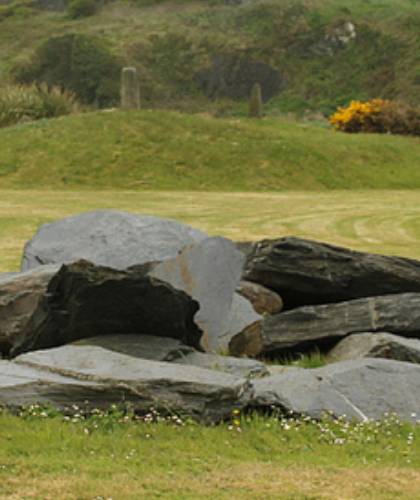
[240, 367]
[244, 322]
[376, 345]
[263, 300]
[109, 238]
[306, 272]
[140, 346]
[172, 350]
[306, 326]
[207, 395]
[208, 271]
[20, 295]
[361, 389]
[84, 300]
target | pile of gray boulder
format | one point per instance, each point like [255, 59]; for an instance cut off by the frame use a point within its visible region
[112, 307]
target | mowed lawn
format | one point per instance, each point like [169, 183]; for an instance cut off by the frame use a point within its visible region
[385, 222]
[42, 458]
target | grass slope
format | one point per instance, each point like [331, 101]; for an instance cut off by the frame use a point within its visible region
[169, 150]
[170, 41]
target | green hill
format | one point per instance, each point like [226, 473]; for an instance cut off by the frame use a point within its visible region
[203, 55]
[171, 150]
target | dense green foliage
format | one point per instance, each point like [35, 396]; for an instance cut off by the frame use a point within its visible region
[78, 63]
[323, 62]
[81, 8]
[19, 104]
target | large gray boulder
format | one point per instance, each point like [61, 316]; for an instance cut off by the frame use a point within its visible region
[108, 238]
[20, 295]
[84, 300]
[376, 345]
[316, 325]
[172, 350]
[359, 390]
[306, 272]
[207, 395]
[210, 271]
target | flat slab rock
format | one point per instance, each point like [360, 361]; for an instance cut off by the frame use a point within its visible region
[262, 299]
[209, 272]
[359, 390]
[314, 325]
[376, 345]
[109, 238]
[207, 395]
[172, 350]
[307, 272]
[84, 300]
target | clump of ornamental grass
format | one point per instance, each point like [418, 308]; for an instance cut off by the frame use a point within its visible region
[379, 116]
[24, 103]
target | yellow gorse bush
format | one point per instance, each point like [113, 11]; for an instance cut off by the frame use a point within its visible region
[377, 115]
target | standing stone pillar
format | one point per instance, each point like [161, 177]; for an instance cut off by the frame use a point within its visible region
[255, 102]
[130, 89]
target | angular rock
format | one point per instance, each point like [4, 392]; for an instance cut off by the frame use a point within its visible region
[20, 295]
[207, 395]
[360, 390]
[84, 300]
[108, 238]
[209, 272]
[262, 299]
[306, 272]
[244, 322]
[172, 350]
[376, 345]
[323, 324]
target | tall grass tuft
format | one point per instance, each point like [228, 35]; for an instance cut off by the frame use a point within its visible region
[21, 103]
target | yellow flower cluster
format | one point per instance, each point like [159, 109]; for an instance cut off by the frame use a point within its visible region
[358, 115]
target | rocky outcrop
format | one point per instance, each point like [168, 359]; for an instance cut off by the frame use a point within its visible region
[263, 300]
[233, 75]
[376, 345]
[359, 390]
[317, 325]
[106, 377]
[84, 300]
[306, 272]
[108, 238]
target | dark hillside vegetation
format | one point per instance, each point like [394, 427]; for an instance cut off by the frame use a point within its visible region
[206, 55]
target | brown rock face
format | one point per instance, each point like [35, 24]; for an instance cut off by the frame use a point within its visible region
[262, 299]
[20, 295]
[84, 300]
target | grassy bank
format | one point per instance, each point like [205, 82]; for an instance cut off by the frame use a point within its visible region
[256, 458]
[168, 150]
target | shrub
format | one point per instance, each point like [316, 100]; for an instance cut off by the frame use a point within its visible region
[78, 63]
[21, 103]
[81, 8]
[377, 115]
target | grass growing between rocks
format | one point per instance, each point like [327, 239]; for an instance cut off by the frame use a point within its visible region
[45, 455]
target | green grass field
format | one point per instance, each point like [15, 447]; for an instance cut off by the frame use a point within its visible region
[159, 150]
